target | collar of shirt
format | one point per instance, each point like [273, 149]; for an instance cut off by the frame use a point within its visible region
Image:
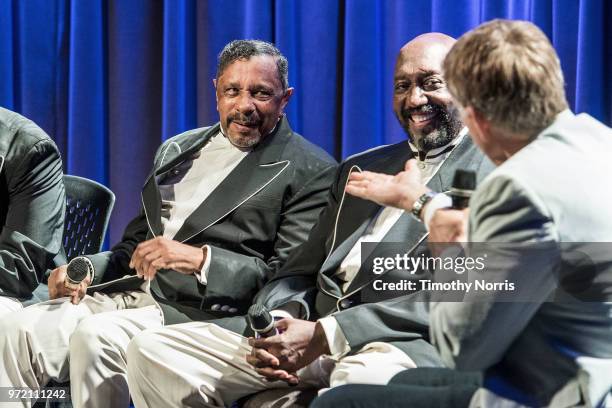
[438, 154]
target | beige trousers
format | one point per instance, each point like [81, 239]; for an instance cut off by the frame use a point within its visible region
[201, 364]
[86, 343]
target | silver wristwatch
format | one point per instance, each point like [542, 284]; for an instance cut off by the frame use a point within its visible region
[418, 205]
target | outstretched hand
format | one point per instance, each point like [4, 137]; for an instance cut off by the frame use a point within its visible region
[400, 191]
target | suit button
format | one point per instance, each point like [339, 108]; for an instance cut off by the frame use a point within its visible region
[215, 307]
[225, 308]
[176, 172]
[232, 310]
[345, 303]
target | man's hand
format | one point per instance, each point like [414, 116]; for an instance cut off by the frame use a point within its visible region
[448, 226]
[279, 357]
[400, 191]
[57, 288]
[162, 253]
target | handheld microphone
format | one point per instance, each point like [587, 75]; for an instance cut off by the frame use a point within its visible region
[78, 269]
[261, 321]
[464, 184]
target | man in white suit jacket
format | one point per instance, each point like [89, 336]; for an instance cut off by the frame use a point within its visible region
[553, 348]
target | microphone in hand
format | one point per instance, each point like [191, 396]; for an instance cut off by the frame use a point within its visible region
[78, 269]
[464, 184]
[261, 321]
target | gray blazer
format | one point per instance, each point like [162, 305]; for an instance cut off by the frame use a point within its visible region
[557, 352]
[32, 206]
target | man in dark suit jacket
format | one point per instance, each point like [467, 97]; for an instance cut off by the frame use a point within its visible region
[222, 209]
[32, 208]
[325, 279]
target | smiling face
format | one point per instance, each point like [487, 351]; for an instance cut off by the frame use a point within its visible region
[421, 101]
[250, 99]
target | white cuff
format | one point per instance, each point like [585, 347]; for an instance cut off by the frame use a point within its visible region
[202, 276]
[438, 202]
[281, 314]
[336, 340]
[288, 310]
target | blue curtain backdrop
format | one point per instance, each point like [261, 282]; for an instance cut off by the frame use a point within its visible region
[110, 80]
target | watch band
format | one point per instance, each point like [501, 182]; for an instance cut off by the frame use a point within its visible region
[417, 207]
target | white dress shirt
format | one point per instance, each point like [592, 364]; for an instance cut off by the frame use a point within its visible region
[209, 167]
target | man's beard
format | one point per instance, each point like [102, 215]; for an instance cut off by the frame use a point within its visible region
[244, 142]
[239, 140]
[443, 129]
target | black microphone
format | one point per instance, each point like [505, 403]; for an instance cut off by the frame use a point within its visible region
[261, 321]
[464, 184]
[78, 269]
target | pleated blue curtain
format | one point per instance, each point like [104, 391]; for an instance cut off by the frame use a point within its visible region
[110, 80]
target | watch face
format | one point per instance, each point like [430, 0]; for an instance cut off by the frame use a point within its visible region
[418, 205]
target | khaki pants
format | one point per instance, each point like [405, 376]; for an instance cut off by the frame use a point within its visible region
[201, 364]
[9, 305]
[86, 343]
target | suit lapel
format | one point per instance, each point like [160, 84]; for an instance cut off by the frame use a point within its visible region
[356, 214]
[258, 169]
[459, 158]
[169, 158]
[230, 194]
[408, 230]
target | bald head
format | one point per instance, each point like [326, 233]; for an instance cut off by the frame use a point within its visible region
[421, 101]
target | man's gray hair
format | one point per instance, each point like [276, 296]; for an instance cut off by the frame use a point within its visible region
[245, 49]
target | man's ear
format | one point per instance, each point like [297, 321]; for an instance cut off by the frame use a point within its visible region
[479, 126]
[214, 81]
[286, 97]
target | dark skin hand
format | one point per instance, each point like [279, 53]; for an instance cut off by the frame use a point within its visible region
[162, 253]
[279, 357]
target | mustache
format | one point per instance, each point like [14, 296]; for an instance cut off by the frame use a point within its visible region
[428, 108]
[243, 120]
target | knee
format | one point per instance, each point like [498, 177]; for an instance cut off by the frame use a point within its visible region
[91, 337]
[14, 327]
[141, 349]
[350, 372]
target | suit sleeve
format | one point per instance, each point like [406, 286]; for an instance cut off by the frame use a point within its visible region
[475, 334]
[295, 283]
[32, 237]
[403, 318]
[114, 264]
[248, 274]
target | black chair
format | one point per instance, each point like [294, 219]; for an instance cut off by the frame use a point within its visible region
[88, 209]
